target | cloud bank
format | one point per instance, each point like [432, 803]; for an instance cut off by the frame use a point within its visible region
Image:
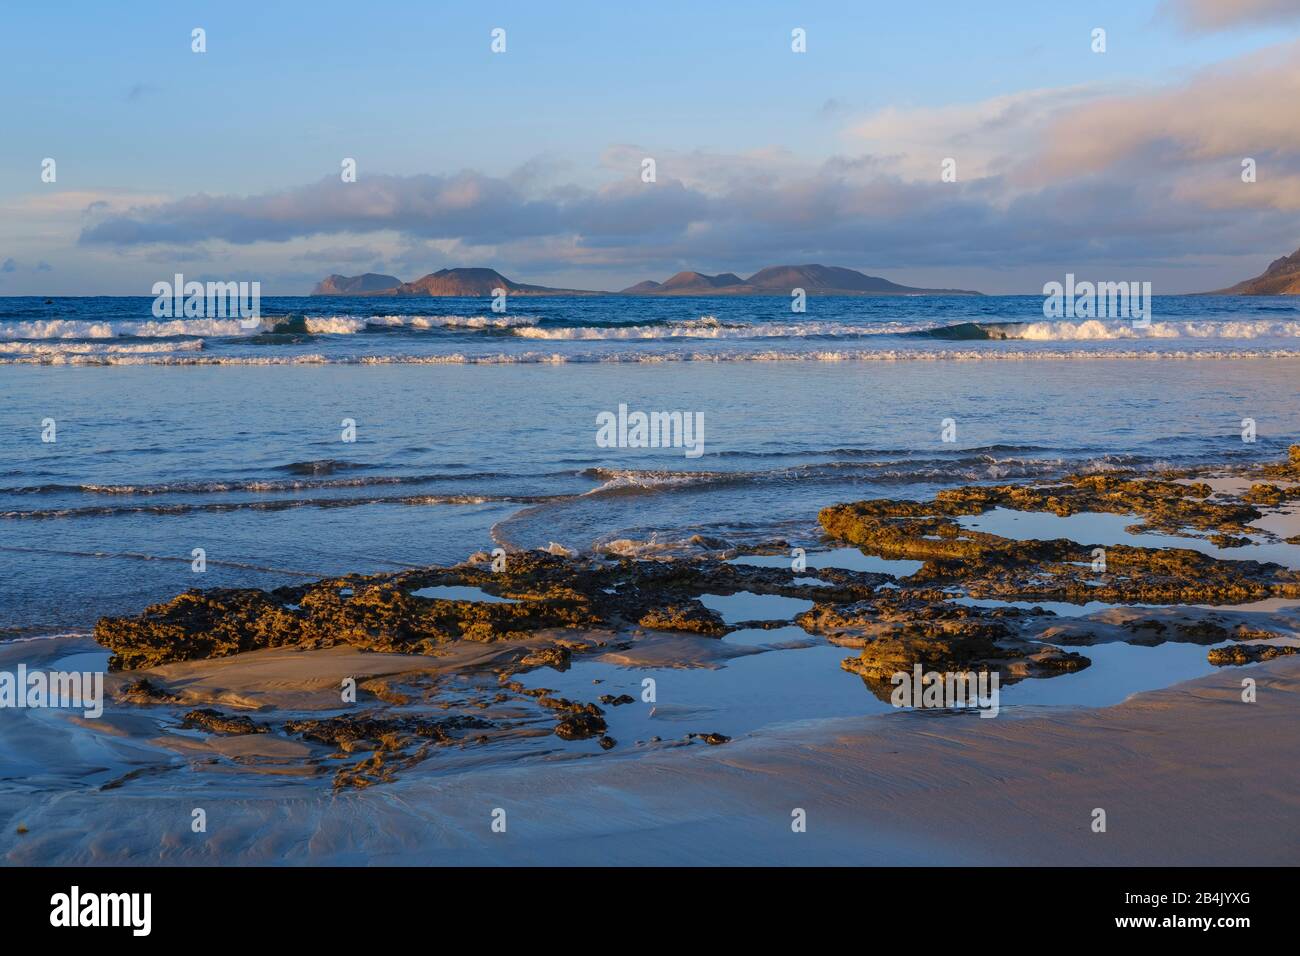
[1057, 175]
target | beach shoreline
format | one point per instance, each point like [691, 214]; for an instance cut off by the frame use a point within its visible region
[1187, 775]
[724, 705]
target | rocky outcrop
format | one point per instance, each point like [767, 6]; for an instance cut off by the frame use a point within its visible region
[1238, 654]
[366, 284]
[782, 280]
[558, 607]
[1282, 277]
[215, 722]
[989, 566]
[474, 282]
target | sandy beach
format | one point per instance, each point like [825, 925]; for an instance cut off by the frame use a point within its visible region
[1186, 775]
[726, 708]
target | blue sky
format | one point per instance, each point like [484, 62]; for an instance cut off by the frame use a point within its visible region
[147, 133]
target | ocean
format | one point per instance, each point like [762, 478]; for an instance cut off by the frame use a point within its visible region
[474, 430]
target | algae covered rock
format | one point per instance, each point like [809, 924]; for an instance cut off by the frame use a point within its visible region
[1238, 654]
[214, 721]
[693, 617]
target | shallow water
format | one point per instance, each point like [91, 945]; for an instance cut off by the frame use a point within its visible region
[248, 464]
[849, 559]
[460, 592]
[1109, 529]
[801, 679]
[747, 606]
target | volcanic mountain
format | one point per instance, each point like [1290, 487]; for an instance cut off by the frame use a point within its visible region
[774, 280]
[1282, 277]
[356, 285]
[782, 280]
[687, 283]
[447, 282]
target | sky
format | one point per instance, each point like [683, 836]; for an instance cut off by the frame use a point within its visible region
[1125, 164]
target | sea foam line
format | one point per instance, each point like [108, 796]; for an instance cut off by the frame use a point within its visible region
[619, 358]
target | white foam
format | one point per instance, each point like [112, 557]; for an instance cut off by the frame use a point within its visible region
[1102, 330]
[61, 348]
[328, 324]
[708, 327]
[653, 358]
[451, 321]
[80, 329]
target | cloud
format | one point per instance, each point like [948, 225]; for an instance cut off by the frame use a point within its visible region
[12, 265]
[1194, 138]
[1207, 16]
[1069, 175]
[984, 137]
[1244, 108]
[468, 206]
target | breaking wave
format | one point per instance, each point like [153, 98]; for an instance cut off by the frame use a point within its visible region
[1108, 329]
[276, 504]
[168, 356]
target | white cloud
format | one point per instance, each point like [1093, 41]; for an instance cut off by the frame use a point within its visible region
[1212, 15]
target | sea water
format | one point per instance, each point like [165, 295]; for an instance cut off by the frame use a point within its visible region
[473, 430]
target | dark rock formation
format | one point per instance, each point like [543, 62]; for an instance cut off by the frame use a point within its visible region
[782, 280]
[356, 285]
[214, 721]
[1238, 654]
[1282, 277]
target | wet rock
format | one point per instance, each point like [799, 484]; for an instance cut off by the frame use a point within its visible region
[1238, 654]
[570, 706]
[381, 613]
[556, 657]
[1230, 541]
[196, 625]
[580, 726]
[608, 743]
[345, 731]
[693, 617]
[385, 692]
[990, 566]
[973, 649]
[378, 615]
[618, 701]
[1265, 493]
[1149, 632]
[1288, 469]
[144, 691]
[215, 722]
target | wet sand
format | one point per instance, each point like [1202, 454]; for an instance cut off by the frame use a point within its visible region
[1186, 775]
[476, 709]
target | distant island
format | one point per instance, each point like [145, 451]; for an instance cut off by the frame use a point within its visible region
[1282, 277]
[780, 280]
[444, 282]
[774, 280]
[355, 285]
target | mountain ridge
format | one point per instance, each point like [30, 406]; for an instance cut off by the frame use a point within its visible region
[1282, 277]
[363, 284]
[813, 278]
